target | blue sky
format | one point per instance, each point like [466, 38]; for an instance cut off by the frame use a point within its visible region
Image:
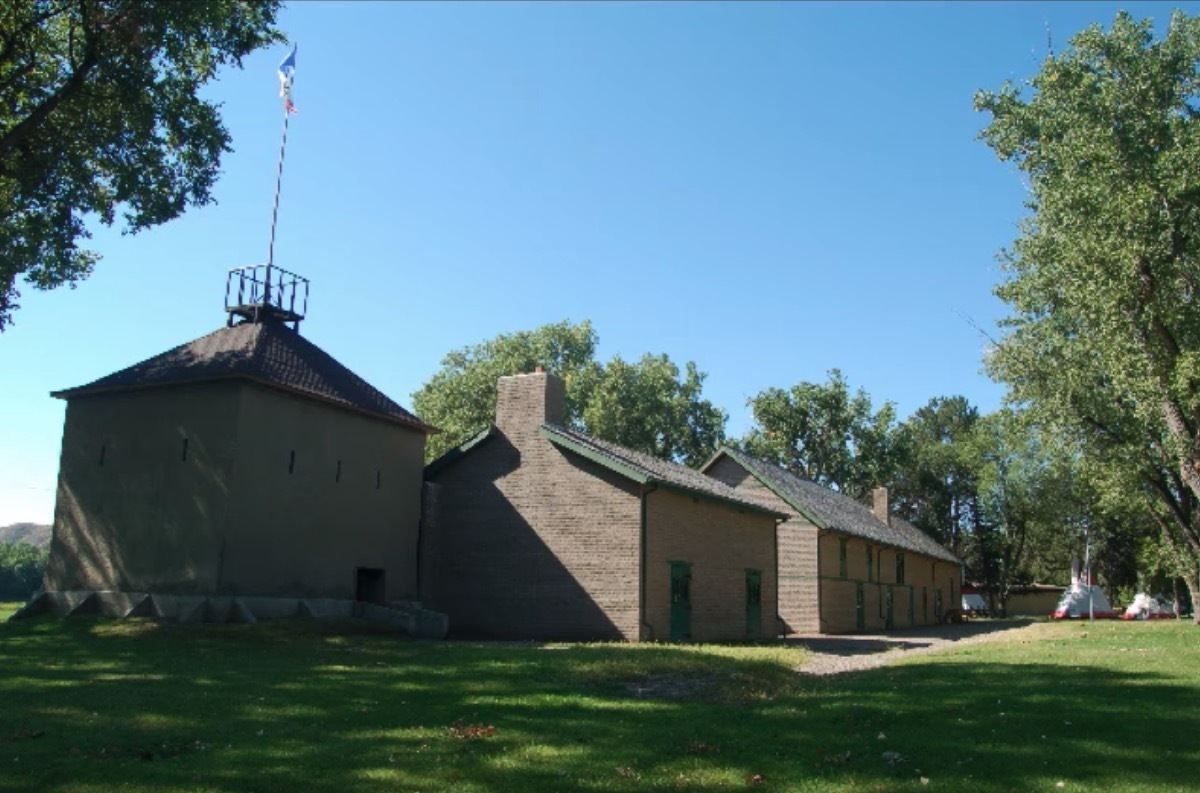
[770, 190]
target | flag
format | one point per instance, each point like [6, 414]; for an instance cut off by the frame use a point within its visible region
[287, 69]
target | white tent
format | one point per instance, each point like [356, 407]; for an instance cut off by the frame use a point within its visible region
[1146, 607]
[1074, 603]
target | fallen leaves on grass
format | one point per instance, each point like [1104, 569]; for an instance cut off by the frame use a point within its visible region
[470, 732]
[755, 779]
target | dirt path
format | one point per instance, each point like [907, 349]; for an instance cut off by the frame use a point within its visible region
[833, 655]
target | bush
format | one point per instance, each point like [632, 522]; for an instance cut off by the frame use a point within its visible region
[21, 568]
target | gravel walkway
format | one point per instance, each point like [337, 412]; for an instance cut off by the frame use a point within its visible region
[834, 655]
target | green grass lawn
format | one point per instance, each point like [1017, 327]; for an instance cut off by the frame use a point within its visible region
[8, 608]
[89, 706]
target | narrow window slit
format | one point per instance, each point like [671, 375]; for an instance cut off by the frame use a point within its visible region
[337, 477]
[292, 462]
[103, 448]
[378, 479]
[183, 455]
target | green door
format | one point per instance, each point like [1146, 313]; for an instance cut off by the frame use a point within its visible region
[681, 601]
[753, 604]
[860, 612]
[888, 616]
[911, 616]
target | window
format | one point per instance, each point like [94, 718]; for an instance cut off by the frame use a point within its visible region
[183, 453]
[378, 479]
[337, 477]
[842, 571]
[292, 462]
[870, 564]
[103, 448]
[899, 568]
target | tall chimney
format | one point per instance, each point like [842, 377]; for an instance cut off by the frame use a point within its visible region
[525, 402]
[879, 505]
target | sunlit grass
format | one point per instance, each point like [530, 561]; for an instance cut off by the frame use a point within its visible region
[8, 608]
[89, 705]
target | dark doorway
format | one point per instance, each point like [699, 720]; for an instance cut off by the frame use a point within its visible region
[753, 604]
[860, 616]
[368, 585]
[681, 601]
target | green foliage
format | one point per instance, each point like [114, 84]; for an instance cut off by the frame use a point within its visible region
[101, 114]
[1032, 512]
[1105, 335]
[643, 405]
[936, 482]
[646, 406]
[824, 433]
[21, 568]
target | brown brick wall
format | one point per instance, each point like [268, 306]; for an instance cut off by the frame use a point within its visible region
[720, 542]
[528, 541]
[799, 585]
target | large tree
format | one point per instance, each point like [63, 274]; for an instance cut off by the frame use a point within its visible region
[101, 114]
[826, 433]
[1105, 331]
[936, 483]
[646, 405]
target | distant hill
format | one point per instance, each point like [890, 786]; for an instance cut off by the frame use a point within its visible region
[35, 534]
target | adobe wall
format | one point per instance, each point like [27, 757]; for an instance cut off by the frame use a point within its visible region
[228, 517]
[132, 512]
[321, 491]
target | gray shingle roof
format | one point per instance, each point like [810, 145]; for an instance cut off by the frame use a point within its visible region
[267, 352]
[832, 510]
[647, 469]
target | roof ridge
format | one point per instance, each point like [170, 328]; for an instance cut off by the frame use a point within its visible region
[623, 457]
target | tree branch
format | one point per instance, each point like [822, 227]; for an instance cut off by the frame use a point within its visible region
[72, 86]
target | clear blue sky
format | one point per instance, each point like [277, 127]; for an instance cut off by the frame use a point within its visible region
[770, 190]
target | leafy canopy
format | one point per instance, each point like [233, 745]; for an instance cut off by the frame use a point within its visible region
[646, 405]
[823, 432]
[100, 114]
[1104, 335]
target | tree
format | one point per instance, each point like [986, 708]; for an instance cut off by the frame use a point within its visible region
[824, 433]
[1103, 280]
[21, 568]
[101, 114]
[936, 484]
[646, 406]
[1029, 503]
[643, 405]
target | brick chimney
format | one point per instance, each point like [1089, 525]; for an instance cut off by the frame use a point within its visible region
[525, 402]
[879, 504]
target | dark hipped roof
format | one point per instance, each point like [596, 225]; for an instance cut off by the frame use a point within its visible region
[268, 353]
[829, 509]
[648, 469]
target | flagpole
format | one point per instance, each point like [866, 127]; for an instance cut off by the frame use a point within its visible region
[275, 209]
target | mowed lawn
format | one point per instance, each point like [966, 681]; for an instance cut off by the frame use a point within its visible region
[90, 705]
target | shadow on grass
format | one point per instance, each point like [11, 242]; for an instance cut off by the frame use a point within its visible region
[903, 639]
[92, 705]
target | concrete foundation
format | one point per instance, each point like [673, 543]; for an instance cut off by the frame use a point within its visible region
[406, 616]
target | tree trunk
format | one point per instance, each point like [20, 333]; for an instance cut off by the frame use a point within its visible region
[1193, 585]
